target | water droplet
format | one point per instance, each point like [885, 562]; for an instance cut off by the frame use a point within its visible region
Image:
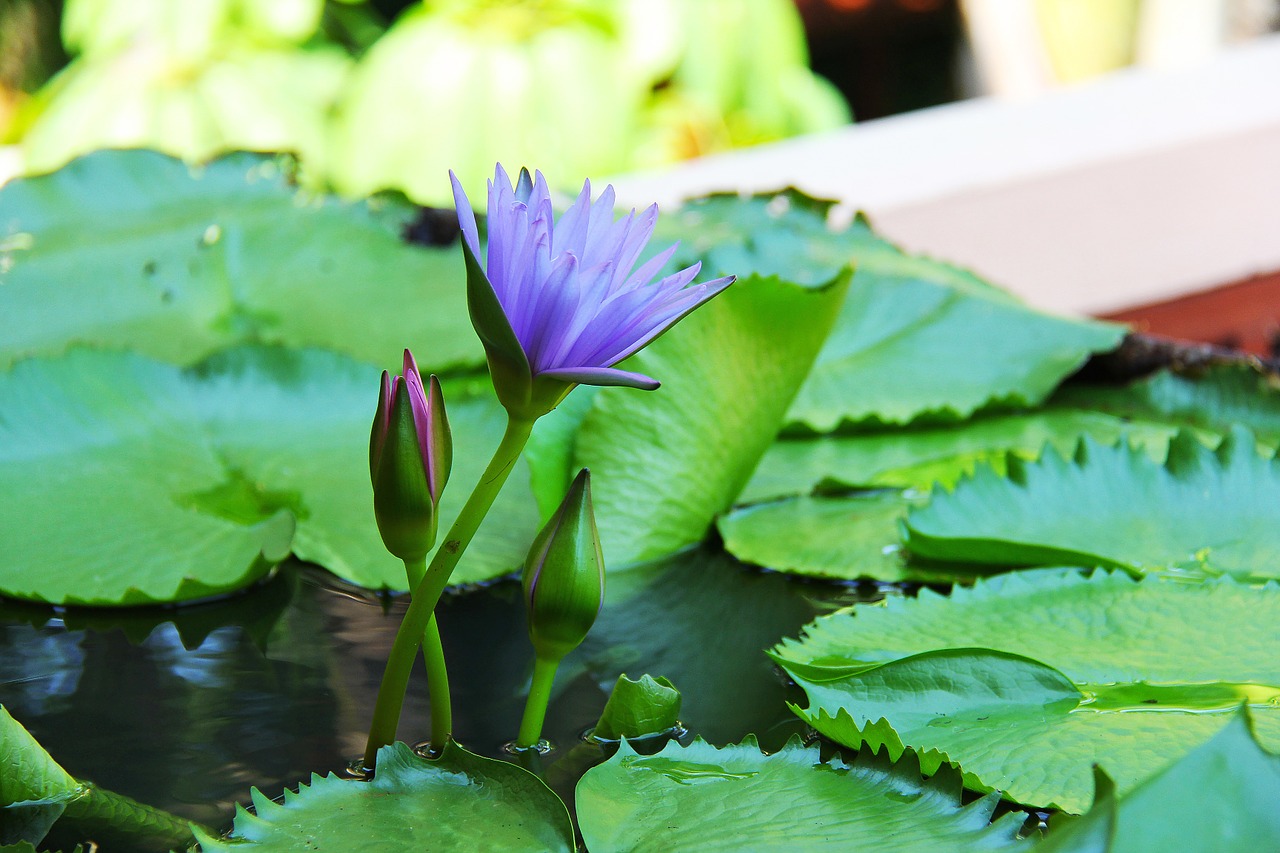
[211, 235]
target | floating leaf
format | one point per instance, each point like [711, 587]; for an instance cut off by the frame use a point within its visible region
[1152, 669]
[702, 797]
[915, 337]
[457, 802]
[141, 482]
[134, 249]
[663, 465]
[1114, 506]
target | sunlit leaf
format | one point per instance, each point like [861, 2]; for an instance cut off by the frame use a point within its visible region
[1217, 511]
[703, 797]
[460, 801]
[1151, 668]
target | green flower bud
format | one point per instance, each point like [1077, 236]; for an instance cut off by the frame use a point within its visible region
[564, 575]
[410, 453]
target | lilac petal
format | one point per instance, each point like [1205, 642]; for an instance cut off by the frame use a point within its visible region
[602, 376]
[466, 217]
[693, 298]
[557, 300]
[571, 230]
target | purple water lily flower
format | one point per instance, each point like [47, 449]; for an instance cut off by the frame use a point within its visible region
[558, 302]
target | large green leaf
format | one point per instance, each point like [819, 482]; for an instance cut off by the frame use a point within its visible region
[133, 481]
[1027, 680]
[915, 337]
[1115, 506]
[132, 248]
[457, 802]
[664, 464]
[703, 797]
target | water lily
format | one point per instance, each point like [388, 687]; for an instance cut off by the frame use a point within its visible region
[410, 453]
[559, 302]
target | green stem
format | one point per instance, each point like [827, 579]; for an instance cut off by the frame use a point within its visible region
[535, 707]
[426, 593]
[437, 671]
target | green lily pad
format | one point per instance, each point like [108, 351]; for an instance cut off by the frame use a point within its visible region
[135, 249]
[916, 337]
[703, 797]
[1028, 679]
[1201, 510]
[728, 373]
[141, 482]
[457, 802]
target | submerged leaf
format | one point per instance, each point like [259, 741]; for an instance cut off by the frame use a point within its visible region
[459, 801]
[703, 797]
[1114, 506]
[1156, 667]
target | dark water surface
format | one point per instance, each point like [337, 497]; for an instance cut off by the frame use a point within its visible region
[187, 708]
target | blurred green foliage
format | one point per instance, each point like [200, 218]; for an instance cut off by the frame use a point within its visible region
[574, 87]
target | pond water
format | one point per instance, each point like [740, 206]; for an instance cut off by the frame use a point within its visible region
[187, 708]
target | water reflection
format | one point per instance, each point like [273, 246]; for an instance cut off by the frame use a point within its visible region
[187, 709]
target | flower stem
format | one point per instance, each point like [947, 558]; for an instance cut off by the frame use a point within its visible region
[535, 707]
[426, 593]
[437, 671]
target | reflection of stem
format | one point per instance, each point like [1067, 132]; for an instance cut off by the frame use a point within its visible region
[426, 593]
[535, 708]
[437, 672]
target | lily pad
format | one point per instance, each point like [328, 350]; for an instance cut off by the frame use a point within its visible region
[459, 801]
[1028, 679]
[135, 249]
[703, 797]
[141, 482]
[1201, 510]
[728, 373]
[916, 337]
